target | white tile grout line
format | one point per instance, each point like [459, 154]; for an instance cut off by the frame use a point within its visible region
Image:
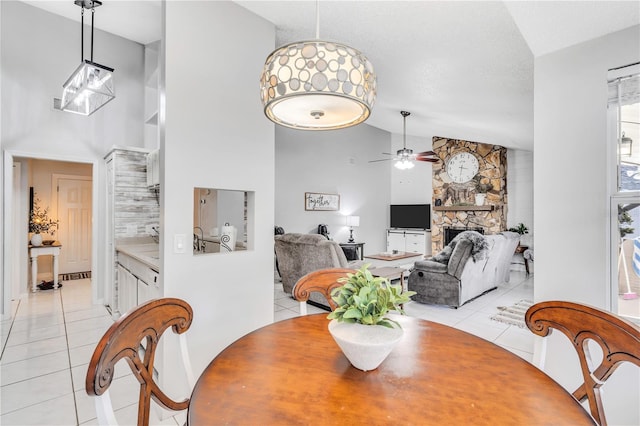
[66, 336]
[13, 320]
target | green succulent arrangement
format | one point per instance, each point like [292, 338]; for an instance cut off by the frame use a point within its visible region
[520, 229]
[366, 299]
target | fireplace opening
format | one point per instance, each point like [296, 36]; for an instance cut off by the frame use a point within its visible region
[450, 232]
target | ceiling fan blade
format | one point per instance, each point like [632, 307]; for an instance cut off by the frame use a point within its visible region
[430, 160]
[384, 159]
[431, 153]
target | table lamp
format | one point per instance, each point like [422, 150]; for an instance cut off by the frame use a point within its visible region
[351, 222]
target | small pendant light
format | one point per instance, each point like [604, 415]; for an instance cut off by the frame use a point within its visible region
[90, 86]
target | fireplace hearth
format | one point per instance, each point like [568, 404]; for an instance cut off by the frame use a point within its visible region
[450, 232]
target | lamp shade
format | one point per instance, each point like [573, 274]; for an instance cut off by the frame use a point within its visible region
[88, 89]
[317, 85]
[353, 220]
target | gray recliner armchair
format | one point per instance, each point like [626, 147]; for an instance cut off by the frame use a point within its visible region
[299, 254]
[471, 265]
[439, 283]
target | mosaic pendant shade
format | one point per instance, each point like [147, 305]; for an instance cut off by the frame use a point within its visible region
[317, 85]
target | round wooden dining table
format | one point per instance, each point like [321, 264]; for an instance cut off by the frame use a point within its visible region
[293, 373]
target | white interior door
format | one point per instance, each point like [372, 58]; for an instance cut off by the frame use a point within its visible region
[74, 232]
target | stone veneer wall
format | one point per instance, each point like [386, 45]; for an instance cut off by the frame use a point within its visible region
[492, 161]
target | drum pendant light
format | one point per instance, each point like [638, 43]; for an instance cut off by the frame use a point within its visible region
[90, 86]
[317, 85]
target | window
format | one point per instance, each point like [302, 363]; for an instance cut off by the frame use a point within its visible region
[624, 139]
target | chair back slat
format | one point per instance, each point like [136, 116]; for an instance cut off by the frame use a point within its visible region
[323, 282]
[619, 340]
[135, 337]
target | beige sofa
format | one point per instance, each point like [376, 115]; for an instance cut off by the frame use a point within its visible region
[299, 254]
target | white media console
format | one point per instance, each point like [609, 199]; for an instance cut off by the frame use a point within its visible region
[409, 240]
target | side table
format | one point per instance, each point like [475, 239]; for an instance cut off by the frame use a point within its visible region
[358, 247]
[520, 250]
[34, 252]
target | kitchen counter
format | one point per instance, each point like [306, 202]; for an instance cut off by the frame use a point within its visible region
[147, 253]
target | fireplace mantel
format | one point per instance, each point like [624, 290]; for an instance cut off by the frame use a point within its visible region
[486, 208]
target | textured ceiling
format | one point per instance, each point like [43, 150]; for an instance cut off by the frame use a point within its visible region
[463, 69]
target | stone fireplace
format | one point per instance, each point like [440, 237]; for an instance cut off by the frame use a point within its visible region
[454, 204]
[450, 232]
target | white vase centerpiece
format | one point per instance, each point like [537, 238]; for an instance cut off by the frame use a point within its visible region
[359, 326]
[36, 239]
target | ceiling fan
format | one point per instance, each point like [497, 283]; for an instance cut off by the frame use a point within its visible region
[405, 157]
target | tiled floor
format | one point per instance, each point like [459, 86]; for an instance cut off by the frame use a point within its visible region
[47, 345]
[46, 348]
[472, 317]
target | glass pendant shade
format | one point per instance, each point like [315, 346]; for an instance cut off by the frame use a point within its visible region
[317, 85]
[88, 89]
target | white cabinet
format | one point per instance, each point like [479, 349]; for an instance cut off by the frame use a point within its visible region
[131, 209]
[137, 283]
[150, 288]
[395, 241]
[409, 240]
[127, 289]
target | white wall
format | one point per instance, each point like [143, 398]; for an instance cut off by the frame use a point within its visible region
[216, 136]
[39, 52]
[413, 186]
[520, 188]
[570, 200]
[335, 162]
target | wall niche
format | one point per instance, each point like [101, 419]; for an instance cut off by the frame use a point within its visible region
[456, 206]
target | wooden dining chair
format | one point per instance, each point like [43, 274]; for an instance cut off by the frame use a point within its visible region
[134, 337]
[321, 281]
[618, 338]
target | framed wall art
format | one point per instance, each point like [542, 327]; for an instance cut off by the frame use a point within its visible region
[317, 201]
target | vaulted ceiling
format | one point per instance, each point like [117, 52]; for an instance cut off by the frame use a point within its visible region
[463, 69]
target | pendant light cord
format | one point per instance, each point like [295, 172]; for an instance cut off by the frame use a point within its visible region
[93, 12]
[317, 19]
[82, 34]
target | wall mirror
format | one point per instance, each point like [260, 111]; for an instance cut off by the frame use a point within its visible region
[220, 220]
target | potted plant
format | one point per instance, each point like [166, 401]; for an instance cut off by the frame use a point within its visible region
[359, 324]
[482, 186]
[40, 222]
[522, 229]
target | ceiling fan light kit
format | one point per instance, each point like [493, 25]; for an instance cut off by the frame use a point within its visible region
[317, 85]
[91, 85]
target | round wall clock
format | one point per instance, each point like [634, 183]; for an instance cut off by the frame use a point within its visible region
[462, 167]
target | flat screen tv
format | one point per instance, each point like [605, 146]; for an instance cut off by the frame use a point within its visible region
[414, 216]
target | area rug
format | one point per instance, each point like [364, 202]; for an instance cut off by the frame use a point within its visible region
[513, 315]
[74, 276]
